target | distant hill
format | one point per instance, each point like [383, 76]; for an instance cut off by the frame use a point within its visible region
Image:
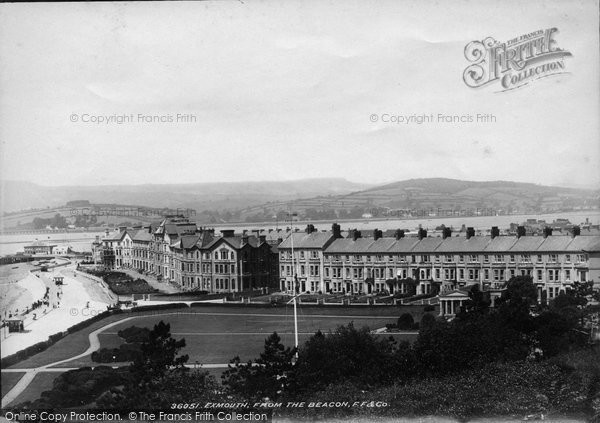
[312, 199]
[433, 194]
[17, 195]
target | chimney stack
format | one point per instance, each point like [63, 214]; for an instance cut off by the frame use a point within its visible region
[355, 234]
[547, 231]
[446, 232]
[244, 239]
[227, 233]
[336, 231]
[495, 232]
[398, 234]
[422, 233]
[470, 232]
[521, 231]
[576, 231]
[377, 234]
[310, 228]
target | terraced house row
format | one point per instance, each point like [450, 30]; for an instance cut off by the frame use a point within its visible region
[194, 258]
[328, 262]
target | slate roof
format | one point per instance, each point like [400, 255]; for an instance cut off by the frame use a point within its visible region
[304, 240]
[141, 235]
[476, 244]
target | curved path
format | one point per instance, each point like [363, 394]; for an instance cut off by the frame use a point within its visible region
[30, 373]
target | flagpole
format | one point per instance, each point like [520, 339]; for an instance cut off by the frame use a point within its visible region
[294, 282]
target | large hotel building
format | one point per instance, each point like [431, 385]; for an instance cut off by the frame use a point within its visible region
[194, 258]
[327, 262]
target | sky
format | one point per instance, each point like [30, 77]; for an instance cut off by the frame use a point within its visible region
[289, 90]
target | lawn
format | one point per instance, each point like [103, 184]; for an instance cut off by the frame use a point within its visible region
[9, 380]
[253, 323]
[41, 382]
[216, 336]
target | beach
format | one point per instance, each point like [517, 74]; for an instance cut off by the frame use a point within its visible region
[79, 298]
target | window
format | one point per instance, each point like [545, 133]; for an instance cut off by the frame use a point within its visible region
[461, 258]
[540, 275]
[525, 258]
[473, 258]
[553, 258]
[302, 255]
[327, 272]
[437, 273]
[314, 254]
[486, 258]
[567, 275]
[461, 274]
[568, 258]
[437, 258]
[448, 258]
[425, 259]
[539, 258]
[512, 258]
[498, 258]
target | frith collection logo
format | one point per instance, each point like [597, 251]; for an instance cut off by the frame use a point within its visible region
[516, 62]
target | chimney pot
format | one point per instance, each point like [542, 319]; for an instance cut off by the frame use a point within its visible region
[495, 232]
[470, 232]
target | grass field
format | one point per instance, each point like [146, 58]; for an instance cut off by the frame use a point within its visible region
[9, 380]
[213, 334]
[42, 382]
[216, 336]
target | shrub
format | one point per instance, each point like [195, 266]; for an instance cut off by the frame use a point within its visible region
[405, 321]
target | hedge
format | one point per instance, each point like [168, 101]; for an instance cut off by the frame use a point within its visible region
[158, 307]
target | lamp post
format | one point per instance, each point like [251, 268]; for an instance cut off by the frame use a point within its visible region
[295, 284]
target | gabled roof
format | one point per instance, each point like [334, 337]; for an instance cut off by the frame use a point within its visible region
[235, 242]
[141, 235]
[403, 245]
[348, 246]
[500, 244]
[427, 245]
[456, 293]
[186, 242]
[116, 236]
[304, 240]
[527, 244]
[463, 245]
[584, 243]
[555, 243]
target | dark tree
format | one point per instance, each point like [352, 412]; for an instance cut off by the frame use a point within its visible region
[267, 377]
